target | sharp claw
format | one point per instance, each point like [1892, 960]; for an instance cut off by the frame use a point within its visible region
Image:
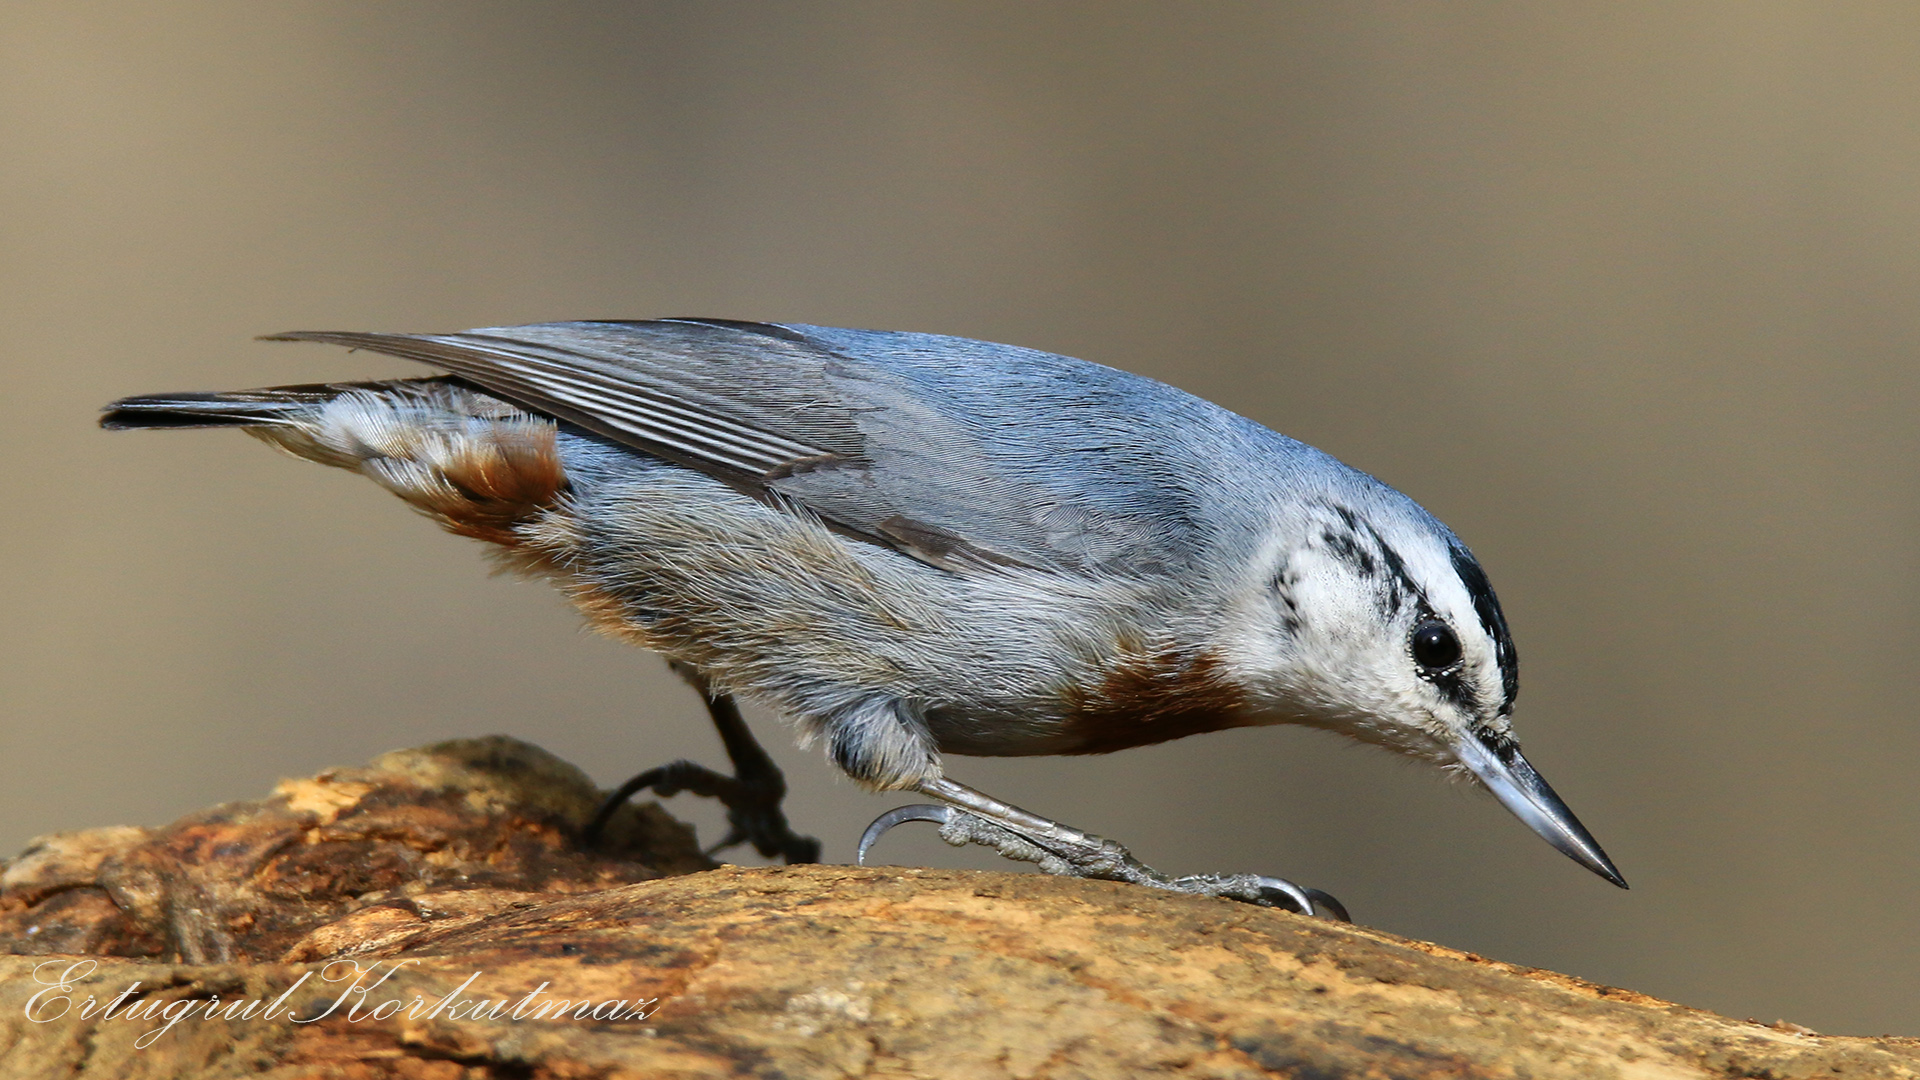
[918, 812]
[1334, 907]
[1302, 898]
[1306, 901]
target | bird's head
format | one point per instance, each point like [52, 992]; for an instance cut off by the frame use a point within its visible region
[1367, 617]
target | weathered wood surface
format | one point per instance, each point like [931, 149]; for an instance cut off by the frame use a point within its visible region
[458, 865]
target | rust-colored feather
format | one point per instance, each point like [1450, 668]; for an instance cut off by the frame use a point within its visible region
[1149, 698]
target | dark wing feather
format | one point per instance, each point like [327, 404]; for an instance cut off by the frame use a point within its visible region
[596, 391]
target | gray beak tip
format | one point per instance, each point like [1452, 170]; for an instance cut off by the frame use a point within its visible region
[1527, 795]
[1606, 869]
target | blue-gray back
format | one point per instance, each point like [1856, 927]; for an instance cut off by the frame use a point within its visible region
[956, 451]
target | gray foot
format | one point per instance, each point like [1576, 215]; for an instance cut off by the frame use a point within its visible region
[752, 795]
[1071, 853]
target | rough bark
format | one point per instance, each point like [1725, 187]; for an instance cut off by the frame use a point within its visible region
[462, 860]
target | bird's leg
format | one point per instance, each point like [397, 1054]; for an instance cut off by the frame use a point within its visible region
[974, 817]
[751, 795]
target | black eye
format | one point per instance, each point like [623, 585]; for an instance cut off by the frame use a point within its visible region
[1434, 646]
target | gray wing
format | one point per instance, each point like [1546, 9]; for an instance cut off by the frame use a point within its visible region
[957, 452]
[703, 400]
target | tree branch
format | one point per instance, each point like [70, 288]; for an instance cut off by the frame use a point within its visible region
[458, 864]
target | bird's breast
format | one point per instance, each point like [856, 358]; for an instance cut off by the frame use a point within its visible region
[1139, 698]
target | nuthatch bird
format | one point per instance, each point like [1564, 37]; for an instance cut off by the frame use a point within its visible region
[914, 546]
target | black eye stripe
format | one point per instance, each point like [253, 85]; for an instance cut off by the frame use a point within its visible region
[1437, 654]
[1486, 607]
[1378, 560]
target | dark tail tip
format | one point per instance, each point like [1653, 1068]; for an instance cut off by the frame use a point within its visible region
[192, 410]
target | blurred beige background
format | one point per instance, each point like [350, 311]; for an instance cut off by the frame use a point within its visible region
[1626, 294]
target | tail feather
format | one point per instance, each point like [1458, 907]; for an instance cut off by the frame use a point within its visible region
[246, 408]
[478, 465]
[269, 407]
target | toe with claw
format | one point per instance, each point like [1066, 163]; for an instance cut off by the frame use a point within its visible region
[752, 795]
[1072, 853]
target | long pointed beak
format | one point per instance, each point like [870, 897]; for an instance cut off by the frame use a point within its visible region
[1506, 773]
